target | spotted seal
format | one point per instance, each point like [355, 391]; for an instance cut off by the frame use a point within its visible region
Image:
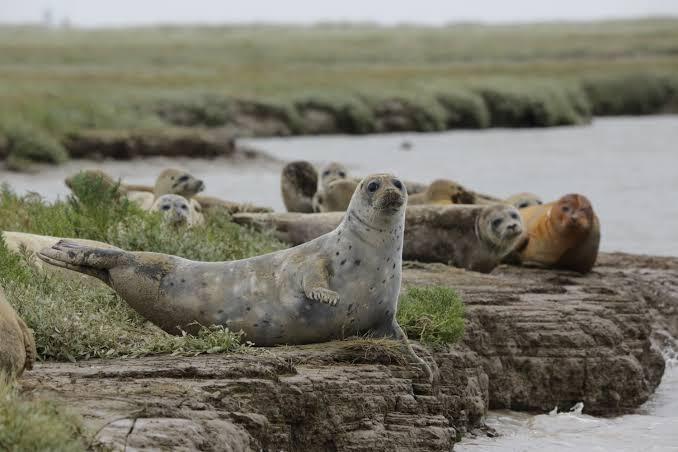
[177, 211]
[341, 284]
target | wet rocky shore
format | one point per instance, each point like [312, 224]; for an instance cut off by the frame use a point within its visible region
[535, 339]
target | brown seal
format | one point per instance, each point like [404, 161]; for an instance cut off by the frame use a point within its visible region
[563, 234]
[17, 344]
[298, 185]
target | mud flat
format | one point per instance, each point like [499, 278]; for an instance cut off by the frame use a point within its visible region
[534, 339]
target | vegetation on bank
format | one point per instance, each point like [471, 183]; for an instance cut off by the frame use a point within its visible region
[36, 425]
[261, 80]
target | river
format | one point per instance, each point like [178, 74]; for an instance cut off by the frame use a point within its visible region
[628, 167]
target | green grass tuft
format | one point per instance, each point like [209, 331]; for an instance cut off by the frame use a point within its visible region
[431, 314]
[27, 425]
[632, 94]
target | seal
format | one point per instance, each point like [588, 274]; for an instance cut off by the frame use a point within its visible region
[443, 191]
[17, 344]
[298, 185]
[177, 211]
[341, 284]
[336, 196]
[171, 181]
[474, 237]
[331, 172]
[523, 200]
[564, 234]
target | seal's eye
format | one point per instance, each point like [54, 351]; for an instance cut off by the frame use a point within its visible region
[183, 178]
[496, 223]
[522, 205]
[539, 203]
[166, 207]
[373, 186]
[514, 216]
[566, 209]
[184, 207]
[398, 184]
[326, 173]
[342, 174]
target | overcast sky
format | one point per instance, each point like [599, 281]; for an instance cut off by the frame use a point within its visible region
[139, 12]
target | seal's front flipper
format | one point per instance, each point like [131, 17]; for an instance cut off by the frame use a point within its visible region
[82, 258]
[316, 283]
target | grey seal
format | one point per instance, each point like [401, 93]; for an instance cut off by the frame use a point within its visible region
[342, 284]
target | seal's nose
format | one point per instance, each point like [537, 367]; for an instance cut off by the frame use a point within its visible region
[201, 185]
[512, 226]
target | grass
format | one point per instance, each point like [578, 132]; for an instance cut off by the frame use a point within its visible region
[73, 321]
[433, 315]
[60, 81]
[27, 425]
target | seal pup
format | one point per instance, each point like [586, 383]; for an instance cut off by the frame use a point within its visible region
[171, 181]
[443, 191]
[523, 200]
[336, 196]
[342, 284]
[298, 185]
[474, 237]
[17, 344]
[331, 172]
[563, 234]
[176, 211]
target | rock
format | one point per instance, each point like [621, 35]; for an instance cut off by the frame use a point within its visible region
[534, 339]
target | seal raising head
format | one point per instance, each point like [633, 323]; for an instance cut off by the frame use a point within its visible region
[343, 283]
[572, 214]
[499, 225]
[333, 171]
[177, 182]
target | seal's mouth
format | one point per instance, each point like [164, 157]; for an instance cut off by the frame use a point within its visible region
[390, 200]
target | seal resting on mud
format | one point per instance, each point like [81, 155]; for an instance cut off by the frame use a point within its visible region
[17, 345]
[341, 284]
[563, 234]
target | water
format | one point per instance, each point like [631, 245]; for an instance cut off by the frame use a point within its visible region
[626, 166]
[653, 428]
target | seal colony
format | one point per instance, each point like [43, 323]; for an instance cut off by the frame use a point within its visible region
[341, 284]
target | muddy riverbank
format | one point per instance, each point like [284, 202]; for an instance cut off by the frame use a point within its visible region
[534, 339]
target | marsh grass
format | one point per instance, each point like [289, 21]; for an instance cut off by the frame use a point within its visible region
[433, 315]
[75, 321]
[64, 81]
[34, 425]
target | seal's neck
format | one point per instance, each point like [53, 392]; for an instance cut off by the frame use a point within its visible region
[380, 230]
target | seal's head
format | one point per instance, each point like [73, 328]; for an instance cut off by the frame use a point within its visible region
[177, 182]
[302, 176]
[572, 213]
[500, 225]
[523, 200]
[331, 172]
[378, 202]
[174, 208]
[448, 191]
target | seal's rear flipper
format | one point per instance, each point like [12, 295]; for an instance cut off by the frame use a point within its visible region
[82, 258]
